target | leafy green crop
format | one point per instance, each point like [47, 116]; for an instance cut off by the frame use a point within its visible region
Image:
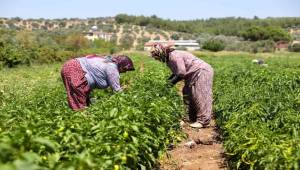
[128, 130]
[257, 109]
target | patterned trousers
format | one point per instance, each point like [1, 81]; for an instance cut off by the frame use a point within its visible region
[197, 94]
[76, 85]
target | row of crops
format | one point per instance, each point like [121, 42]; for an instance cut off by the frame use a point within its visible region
[128, 130]
[257, 109]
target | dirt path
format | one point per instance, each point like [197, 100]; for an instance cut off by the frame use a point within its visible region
[206, 153]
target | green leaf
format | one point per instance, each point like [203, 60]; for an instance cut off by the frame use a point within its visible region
[46, 142]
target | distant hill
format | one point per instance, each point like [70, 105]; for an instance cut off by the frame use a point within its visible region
[23, 41]
[140, 29]
[139, 34]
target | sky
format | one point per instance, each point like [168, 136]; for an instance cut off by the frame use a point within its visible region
[167, 9]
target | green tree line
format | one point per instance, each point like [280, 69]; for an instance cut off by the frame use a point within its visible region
[39, 46]
[229, 26]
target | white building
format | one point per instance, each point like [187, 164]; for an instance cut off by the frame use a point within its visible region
[189, 45]
[295, 42]
[94, 34]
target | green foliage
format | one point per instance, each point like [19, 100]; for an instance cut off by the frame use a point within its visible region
[225, 26]
[26, 39]
[128, 130]
[263, 46]
[257, 109]
[175, 37]
[76, 42]
[100, 43]
[46, 55]
[278, 34]
[141, 43]
[10, 56]
[214, 45]
[26, 47]
[266, 33]
[255, 33]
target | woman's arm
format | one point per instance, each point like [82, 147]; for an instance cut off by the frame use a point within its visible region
[113, 78]
[177, 65]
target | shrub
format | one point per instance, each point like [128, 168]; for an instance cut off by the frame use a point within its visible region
[175, 37]
[263, 46]
[266, 33]
[141, 43]
[46, 55]
[76, 42]
[214, 45]
[12, 56]
[64, 55]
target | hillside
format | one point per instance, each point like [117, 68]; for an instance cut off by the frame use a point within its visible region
[138, 34]
[46, 41]
[134, 31]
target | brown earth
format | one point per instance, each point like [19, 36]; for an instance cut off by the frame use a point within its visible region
[206, 153]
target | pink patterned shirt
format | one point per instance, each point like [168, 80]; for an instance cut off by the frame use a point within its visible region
[184, 64]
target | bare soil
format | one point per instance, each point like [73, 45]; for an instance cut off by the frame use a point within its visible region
[206, 153]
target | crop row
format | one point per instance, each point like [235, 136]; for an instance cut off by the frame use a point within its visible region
[128, 130]
[257, 109]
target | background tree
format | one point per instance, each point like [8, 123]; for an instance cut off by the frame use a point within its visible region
[229, 26]
[26, 39]
[175, 37]
[76, 41]
[256, 33]
[214, 45]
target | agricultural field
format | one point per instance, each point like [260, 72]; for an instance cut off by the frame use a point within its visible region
[129, 130]
[256, 108]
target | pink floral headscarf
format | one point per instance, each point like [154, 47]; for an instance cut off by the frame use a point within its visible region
[161, 52]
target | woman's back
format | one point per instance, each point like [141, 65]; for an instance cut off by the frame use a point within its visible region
[97, 71]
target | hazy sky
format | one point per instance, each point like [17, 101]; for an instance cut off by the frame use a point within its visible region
[172, 9]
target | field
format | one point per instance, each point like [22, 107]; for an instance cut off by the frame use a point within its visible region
[256, 108]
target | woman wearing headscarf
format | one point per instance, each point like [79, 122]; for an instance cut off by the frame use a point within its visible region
[198, 78]
[82, 75]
